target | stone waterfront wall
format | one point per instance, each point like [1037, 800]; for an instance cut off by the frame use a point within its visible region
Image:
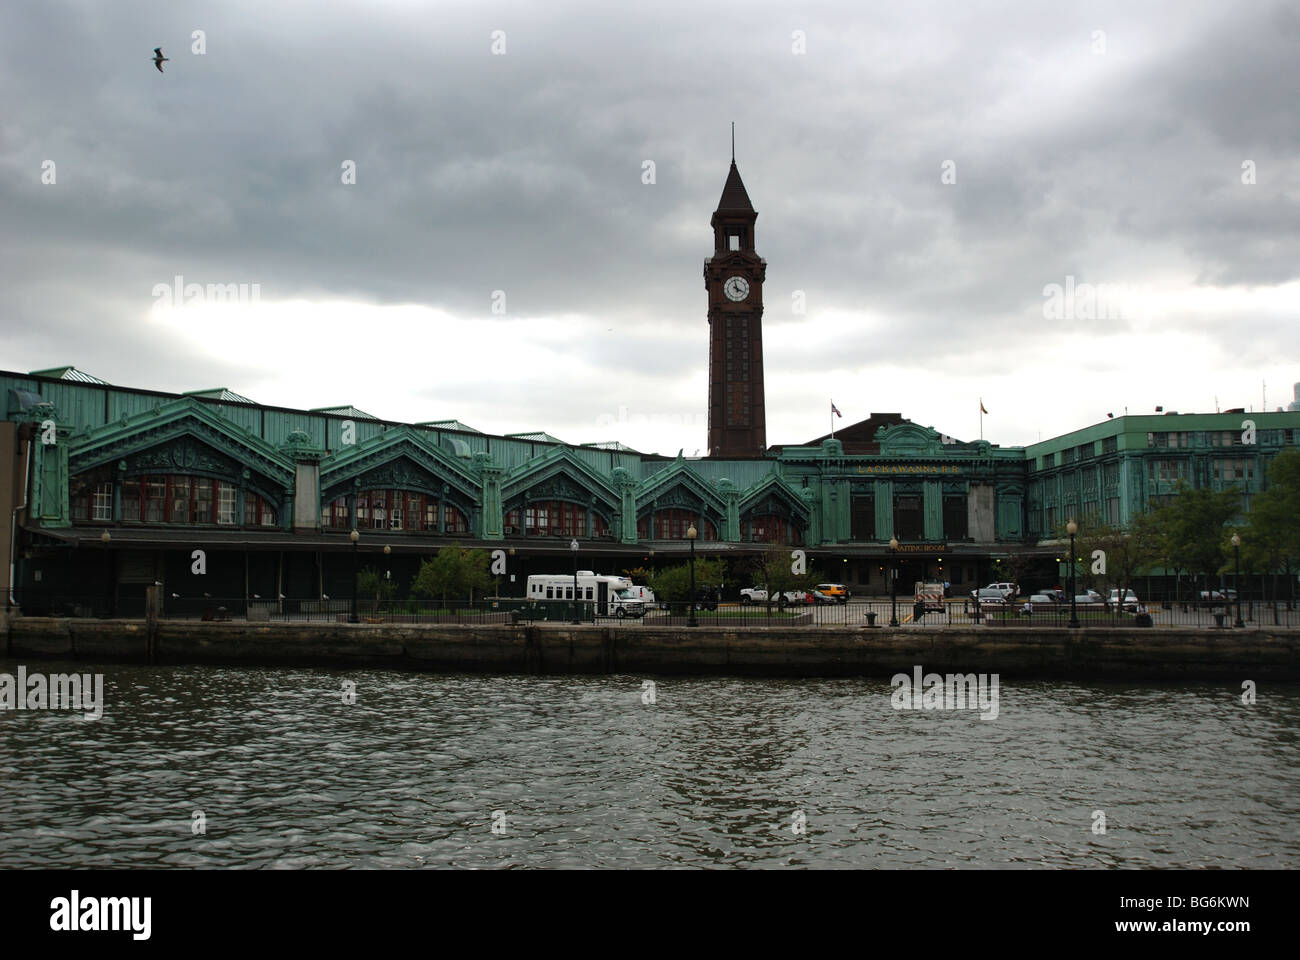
[1098, 653]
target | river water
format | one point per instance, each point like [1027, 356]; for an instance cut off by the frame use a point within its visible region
[253, 767]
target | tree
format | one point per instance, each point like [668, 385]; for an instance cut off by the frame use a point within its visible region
[673, 584]
[1191, 526]
[1124, 553]
[376, 587]
[772, 571]
[1271, 536]
[455, 572]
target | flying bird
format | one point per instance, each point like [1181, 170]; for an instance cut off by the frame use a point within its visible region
[159, 59]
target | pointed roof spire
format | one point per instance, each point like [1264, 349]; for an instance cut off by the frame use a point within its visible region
[734, 198]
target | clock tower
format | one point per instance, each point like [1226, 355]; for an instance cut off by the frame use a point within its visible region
[734, 277]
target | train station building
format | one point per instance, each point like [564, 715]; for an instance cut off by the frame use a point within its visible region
[108, 488]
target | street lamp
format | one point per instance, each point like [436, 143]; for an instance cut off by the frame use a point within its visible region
[355, 538]
[1072, 528]
[106, 538]
[691, 534]
[893, 581]
[573, 548]
[1236, 575]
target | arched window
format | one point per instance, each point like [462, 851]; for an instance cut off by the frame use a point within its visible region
[555, 518]
[673, 524]
[767, 528]
[176, 498]
[403, 510]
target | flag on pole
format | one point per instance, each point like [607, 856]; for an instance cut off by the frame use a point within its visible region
[982, 410]
[835, 410]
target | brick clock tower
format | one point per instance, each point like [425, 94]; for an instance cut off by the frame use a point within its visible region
[734, 278]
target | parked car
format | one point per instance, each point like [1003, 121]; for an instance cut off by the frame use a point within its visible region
[832, 592]
[706, 598]
[1005, 590]
[1213, 595]
[1089, 599]
[1131, 601]
[989, 597]
[759, 595]
[1044, 598]
[644, 594]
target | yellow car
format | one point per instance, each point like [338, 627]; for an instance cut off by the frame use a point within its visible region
[831, 593]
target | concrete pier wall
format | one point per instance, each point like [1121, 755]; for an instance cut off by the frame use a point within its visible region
[1098, 653]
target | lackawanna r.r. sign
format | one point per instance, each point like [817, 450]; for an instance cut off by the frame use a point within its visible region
[910, 468]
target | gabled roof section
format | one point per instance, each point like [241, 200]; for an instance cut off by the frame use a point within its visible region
[611, 445]
[348, 411]
[400, 442]
[556, 460]
[448, 425]
[68, 373]
[219, 393]
[774, 483]
[735, 199]
[538, 435]
[681, 473]
[168, 421]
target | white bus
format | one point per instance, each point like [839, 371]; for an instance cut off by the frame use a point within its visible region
[611, 595]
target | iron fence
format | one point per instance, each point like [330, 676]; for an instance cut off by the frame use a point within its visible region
[859, 612]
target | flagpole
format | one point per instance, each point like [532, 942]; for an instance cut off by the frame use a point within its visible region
[981, 418]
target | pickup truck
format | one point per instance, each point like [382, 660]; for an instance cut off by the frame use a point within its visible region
[759, 595]
[1008, 591]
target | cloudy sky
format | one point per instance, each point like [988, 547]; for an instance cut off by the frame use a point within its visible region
[923, 173]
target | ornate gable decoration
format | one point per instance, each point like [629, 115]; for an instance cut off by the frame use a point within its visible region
[909, 440]
[183, 455]
[558, 486]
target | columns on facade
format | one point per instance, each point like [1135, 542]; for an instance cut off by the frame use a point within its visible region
[50, 476]
[302, 504]
[492, 518]
[884, 500]
[932, 508]
[731, 520]
[626, 486]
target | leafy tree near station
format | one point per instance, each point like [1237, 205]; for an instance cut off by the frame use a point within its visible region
[673, 584]
[1127, 552]
[1270, 538]
[1192, 531]
[375, 587]
[772, 571]
[456, 572]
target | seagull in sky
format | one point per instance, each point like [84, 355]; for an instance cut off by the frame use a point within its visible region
[159, 59]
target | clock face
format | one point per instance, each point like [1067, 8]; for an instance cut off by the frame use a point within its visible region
[736, 288]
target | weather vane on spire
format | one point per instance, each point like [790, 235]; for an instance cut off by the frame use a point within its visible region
[733, 141]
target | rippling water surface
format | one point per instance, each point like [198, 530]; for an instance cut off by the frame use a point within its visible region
[714, 773]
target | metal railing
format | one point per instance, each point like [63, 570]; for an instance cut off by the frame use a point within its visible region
[858, 612]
